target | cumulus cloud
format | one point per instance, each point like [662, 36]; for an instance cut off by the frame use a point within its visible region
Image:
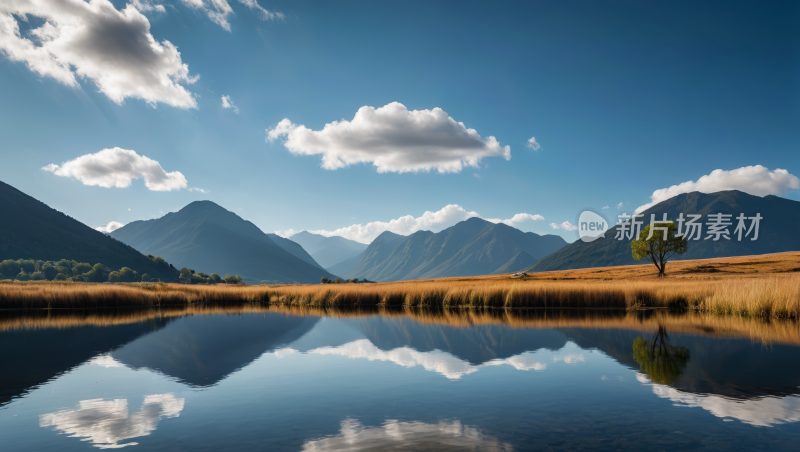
[106, 423]
[228, 103]
[219, 10]
[567, 226]
[764, 412]
[117, 167]
[95, 41]
[110, 227]
[395, 435]
[393, 139]
[429, 221]
[755, 180]
[533, 144]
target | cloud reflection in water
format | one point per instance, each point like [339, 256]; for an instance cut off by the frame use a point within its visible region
[106, 422]
[438, 361]
[763, 412]
[394, 435]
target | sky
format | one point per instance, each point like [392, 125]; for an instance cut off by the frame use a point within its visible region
[352, 118]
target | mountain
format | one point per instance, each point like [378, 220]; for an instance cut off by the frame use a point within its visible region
[29, 229]
[294, 248]
[777, 231]
[328, 251]
[470, 248]
[205, 237]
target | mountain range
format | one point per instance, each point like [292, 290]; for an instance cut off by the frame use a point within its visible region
[30, 229]
[328, 251]
[470, 248]
[777, 231]
[205, 237]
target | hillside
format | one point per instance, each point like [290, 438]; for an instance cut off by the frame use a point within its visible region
[777, 231]
[328, 251]
[205, 237]
[30, 229]
[471, 247]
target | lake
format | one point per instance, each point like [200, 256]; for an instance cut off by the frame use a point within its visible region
[315, 380]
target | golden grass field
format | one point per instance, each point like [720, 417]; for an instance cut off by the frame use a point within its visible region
[766, 286]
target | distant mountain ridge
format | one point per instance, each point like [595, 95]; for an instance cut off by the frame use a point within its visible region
[328, 251]
[206, 237]
[30, 229]
[777, 231]
[470, 248]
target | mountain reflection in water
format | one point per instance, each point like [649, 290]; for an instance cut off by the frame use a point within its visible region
[381, 380]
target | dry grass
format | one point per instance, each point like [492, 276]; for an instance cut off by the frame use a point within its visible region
[758, 286]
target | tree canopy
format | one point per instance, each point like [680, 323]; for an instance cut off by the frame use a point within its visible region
[659, 246]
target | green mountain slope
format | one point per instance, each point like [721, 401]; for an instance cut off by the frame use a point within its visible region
[206, 237]
[471, 247]
[777, 231]
[328, 251]
[30, 229]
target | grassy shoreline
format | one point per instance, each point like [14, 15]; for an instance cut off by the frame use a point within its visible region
[748, 289]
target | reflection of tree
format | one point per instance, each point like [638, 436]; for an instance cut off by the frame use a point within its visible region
[662, 362]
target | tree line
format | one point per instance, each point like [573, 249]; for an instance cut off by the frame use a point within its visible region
[189, 276]
[326, 280]
[71, 270]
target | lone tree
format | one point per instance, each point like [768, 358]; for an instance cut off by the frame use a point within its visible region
[324, 280]
[660, 246]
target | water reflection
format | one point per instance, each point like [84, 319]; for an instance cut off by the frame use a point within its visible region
[763, 412]
[394, 435]
[436, 360]
[662, 362]
[106, 423]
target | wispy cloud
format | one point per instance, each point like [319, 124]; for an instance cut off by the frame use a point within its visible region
[228, 103]
[219, 11]
[110, 227]
[567, 226]
[533, 144]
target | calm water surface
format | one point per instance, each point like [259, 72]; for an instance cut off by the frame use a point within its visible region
[272, 381]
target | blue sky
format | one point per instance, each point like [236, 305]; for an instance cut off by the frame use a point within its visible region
[624, 98]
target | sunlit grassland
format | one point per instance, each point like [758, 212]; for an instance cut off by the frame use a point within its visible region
[736, 286]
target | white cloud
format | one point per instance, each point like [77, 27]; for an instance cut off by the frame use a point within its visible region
[477, 175]
[764, 412]
[619, 206]
[428, 221]
[606, 207]
[148, 6]
[567, 226]
[110, 227]
[106, 360]
[228, 103]
[395, 435]
[533, 144]
[105, 423]
[219, 10]
[117, 168]
[95, 41]
[393, 139]
[200, 190]
[755, 180]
